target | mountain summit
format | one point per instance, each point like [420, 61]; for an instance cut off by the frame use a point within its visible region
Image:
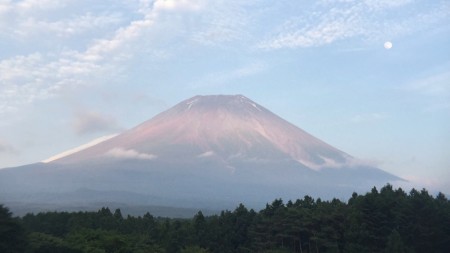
[205, 152]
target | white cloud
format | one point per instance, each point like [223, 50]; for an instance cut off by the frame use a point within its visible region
[102, 47]
[22, 80]
[27, 78]
[67, 27]
[122, 153]
[335, 24]
[27, 5]
[332, 21]
[100, 57]
[171, 5]
[385, 4]
[42, 20]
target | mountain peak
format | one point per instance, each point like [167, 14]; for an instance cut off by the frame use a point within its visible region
[237, 102]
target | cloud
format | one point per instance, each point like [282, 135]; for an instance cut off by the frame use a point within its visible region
[67, 27]
[435, 88]
[5, 147]
[162, 5]
[13, 14]
[36, 76]
[93, 48]
[91, 122]
[332, 21]
[226, 23]
[421, 182]
[39, 4]
[434, 85]
[101, 48]
[122, 153]
[25, 79]
[334, 25]
[385, 4]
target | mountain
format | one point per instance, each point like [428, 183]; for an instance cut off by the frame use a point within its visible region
[205, 152]
[225, 127]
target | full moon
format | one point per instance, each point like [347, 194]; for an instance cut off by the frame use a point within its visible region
[388, 45]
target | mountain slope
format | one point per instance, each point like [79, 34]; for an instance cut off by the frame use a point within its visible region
[206, 152]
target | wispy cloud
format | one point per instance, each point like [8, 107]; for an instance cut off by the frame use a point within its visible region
[39, 4]
[336, 24]
[385, 4]
[226, 22]
[162, 5]
[27, 78]
[421, 182]
[435, 85]
[434, 88]
[13, 14]
[332, 21]
[108, 41]
[67, 27]
[6, 147]
[91, 122]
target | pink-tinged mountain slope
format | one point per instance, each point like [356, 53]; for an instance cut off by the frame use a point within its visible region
[206, 152]
[220, 127]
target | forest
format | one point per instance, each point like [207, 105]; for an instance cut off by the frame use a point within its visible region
[385, 220]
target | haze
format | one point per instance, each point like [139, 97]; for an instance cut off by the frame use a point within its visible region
[75, 71]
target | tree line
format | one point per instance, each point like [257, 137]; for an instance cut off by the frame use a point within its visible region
[385, 220]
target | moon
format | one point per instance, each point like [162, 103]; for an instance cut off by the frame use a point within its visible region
[388, 45]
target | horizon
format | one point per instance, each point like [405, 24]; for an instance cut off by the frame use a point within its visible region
[370, 78]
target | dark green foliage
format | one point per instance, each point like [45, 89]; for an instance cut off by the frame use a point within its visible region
[385, 220]
[12, 236]
[42, 243]
[395, 243]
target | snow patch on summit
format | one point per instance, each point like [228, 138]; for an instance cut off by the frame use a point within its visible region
[191, 103]
[254, 105]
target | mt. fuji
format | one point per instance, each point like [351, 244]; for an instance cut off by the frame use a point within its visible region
[205, 152]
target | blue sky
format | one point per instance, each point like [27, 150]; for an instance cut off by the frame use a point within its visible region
[72, 71]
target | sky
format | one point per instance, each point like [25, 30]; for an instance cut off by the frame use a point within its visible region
[73, 71]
